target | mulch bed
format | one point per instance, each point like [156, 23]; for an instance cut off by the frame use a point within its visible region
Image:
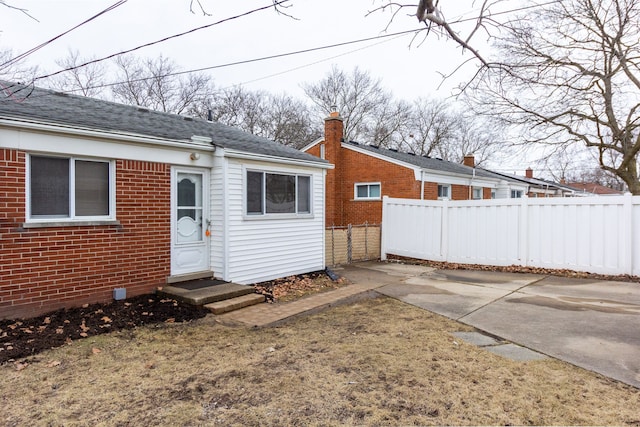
[26, 337]
[20, 338]
[293, 287]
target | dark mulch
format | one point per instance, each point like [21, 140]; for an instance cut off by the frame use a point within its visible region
[25, 337]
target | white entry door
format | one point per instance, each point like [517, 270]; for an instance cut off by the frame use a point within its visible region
[189, 219]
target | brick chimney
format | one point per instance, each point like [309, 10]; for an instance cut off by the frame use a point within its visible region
[333, 135]
[469, 160]
[528, 173]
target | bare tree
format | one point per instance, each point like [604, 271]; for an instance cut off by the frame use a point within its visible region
[239, 108]
[156, 84]
[432, 128]
[277, 117]
[571, 75]
[19, 9]
[15, 71]
[359, 98]
[461, 31]
[290, 122]
[86, 81]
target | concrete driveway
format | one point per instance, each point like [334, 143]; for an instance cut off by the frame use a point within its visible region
[590, 323]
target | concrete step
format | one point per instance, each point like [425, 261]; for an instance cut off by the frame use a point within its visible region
[202, 295]
[235, 303]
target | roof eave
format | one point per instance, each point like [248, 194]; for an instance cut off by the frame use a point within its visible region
[124, 137]
[246, 155]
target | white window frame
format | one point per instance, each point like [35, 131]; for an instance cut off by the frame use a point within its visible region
[264, 214]
[448, 187]
[473, 193]
[518, 194]
[72, 218]
[368, 185]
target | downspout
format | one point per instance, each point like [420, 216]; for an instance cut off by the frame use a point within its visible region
[473, 176]
[421, 184]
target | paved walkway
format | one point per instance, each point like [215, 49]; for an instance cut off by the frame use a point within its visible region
[362, 279]
[589, 323]
[267, 314]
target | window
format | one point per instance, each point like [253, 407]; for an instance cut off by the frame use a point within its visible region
[272, 193]
[69, 188]
[516, 194]
[477, 193]
[493, 193]
[444, 191]
[368, 191]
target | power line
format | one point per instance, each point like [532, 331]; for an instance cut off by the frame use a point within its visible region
[263, 58]
[248, 61]
[275, 3]
[313, 63]
[48, 42]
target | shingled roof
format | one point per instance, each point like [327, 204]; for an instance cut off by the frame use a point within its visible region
[42, 105]
[431, 163]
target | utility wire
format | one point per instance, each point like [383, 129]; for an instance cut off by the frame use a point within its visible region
[274, 4]
[48, 42]
[264, 58]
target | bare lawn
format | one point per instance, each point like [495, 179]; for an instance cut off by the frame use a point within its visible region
[372, 362]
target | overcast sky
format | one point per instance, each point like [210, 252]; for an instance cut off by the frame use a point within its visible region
[409, 69]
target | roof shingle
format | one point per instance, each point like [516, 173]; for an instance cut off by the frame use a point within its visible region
[43, 105]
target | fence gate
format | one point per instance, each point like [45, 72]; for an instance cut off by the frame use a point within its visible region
[352, 243]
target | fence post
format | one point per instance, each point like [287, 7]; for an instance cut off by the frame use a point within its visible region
[366, 247]
[383, 243]
[333, 246]
[444, 231]
[523, 232]
[349, 245]
[627, 230]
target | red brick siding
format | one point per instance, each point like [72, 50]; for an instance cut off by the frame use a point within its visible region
[396, 181]
[353, 167]
[43, 269]
[315, 150]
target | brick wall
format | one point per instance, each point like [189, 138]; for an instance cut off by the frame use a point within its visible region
[43, 269]
[396, 181]
[352, 167]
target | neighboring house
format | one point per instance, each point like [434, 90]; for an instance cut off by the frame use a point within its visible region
[593, 189]
[97, 195]
[365, 173]
[540, 187]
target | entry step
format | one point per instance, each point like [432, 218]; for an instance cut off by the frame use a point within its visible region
[236, 303]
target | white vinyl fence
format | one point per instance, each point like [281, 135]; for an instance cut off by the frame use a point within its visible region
[593, 234]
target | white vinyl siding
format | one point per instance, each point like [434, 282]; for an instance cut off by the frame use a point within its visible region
[217, 217]
[275, 245]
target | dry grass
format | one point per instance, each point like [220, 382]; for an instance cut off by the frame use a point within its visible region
[374, 362]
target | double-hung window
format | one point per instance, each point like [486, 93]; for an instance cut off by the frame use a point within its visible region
[66, 188]
[367, 191]
[477, 193]
[274, 193]
[444, 191]
[516, 194]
